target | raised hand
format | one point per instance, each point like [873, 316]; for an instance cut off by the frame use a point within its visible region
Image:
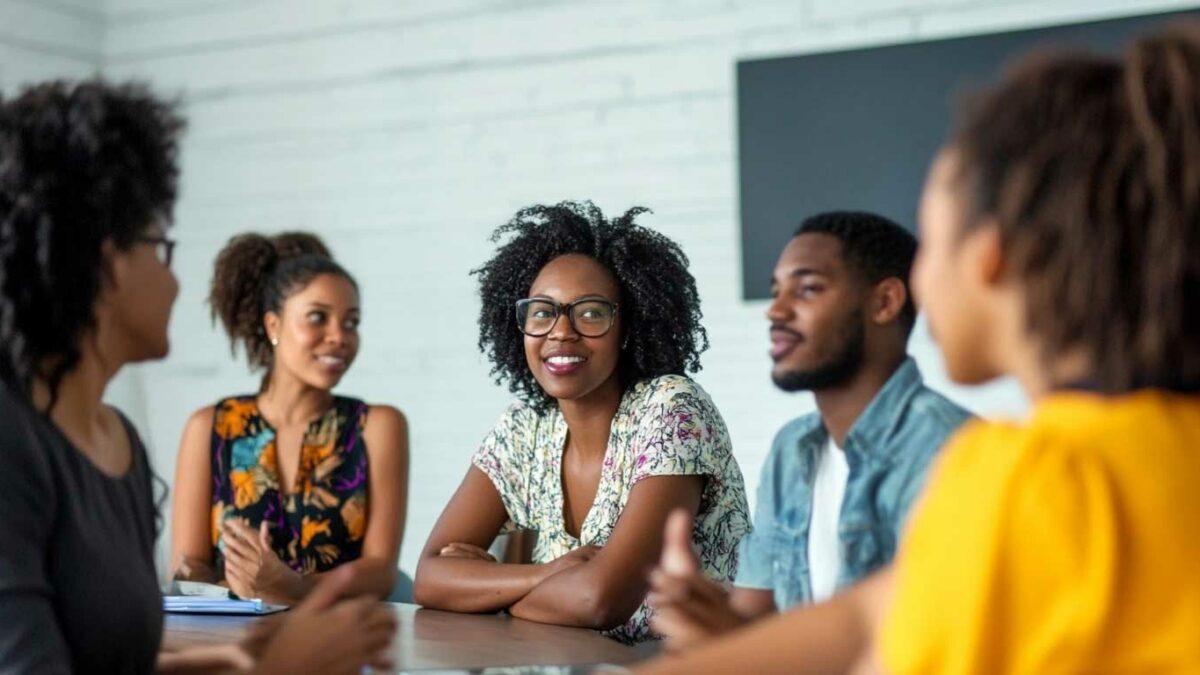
[251, 567]
[689, 606]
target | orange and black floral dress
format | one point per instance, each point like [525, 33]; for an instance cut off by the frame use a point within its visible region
[319, 524]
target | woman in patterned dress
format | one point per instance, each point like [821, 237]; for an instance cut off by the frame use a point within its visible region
[592, 322]
[274, 489]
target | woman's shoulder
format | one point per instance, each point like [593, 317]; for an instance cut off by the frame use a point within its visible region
[521, 432]
[669, 390]
[522, 415]
[119, 422]
[241, 405]
[382, 419]
[28, 437]
[18, 419]
[989, 467]
[676, 406]
[235, 400]
[665, 385]
[230, 417]
[202, 417]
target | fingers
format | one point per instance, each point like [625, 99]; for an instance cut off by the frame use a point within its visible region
[239, 580]
[235, 528]
[327, 634]
[238, 531]
[666, 589]
[239, 537]
[689, 608]
[679, 626]
[458, 550]
[182, 568]
[242, 566]
[260, 632]
[377, 637]
[264, 537]
[374, 627]
[240, 586]
[696, 589]
[240, 552]
[238, 567]
[193, 569]
[678, 556]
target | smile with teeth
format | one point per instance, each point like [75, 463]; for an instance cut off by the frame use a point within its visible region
[564, 360]
[332, 360]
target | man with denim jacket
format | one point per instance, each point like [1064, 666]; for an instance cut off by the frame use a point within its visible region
[839, 482]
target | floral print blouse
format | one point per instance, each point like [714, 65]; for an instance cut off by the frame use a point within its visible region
[664, 426]
[319, 524]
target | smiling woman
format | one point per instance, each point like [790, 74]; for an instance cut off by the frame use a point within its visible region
[593, 323]
[276, 488]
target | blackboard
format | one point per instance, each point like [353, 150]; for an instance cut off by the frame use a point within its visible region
[857, 129]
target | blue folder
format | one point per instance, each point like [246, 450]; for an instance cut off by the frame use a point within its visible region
[190, 604]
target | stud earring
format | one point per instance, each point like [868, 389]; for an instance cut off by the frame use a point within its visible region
[274, 342]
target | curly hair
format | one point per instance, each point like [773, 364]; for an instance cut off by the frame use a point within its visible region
[81, 164]
[1090, 168]
[874, 247]
[660, 308]
[255, 274]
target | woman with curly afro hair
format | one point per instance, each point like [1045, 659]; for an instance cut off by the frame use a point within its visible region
[88, 175]
[593, 324]
[272, 488]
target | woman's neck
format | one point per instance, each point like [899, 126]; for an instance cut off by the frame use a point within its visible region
[1021, 354]
[76, 406]
[589, 419]
[286, 401]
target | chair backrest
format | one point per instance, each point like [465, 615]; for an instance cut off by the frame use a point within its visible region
[403, 590]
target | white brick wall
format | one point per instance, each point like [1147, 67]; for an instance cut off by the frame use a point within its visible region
[403, 132]
[42, 39]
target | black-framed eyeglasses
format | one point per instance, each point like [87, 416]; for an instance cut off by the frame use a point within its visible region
[590, 317]
[164, 248]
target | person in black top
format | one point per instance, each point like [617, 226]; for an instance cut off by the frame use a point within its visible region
[87, 184]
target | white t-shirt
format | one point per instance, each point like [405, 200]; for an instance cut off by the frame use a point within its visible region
[824, 549]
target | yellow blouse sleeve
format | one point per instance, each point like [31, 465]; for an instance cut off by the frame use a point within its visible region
[1009, 564]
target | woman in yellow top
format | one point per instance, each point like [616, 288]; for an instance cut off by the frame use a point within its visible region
[1060, 245]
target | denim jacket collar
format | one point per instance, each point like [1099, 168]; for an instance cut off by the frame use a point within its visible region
[868, 435]
[888, 449]
[883, 414]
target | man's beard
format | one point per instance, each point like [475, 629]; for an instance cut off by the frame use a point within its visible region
[838, 369]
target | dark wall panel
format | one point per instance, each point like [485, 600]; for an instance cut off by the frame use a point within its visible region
[857, 129]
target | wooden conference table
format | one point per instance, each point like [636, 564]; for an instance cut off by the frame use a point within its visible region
[427, 639]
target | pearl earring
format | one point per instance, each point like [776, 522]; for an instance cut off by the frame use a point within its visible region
[274, 342]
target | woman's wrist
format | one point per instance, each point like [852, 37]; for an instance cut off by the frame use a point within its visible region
[290, 588]
[544, 571]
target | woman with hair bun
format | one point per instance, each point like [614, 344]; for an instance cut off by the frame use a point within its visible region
[87, 188]
[275, 488]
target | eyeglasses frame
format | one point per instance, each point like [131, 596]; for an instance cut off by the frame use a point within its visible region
[564, 309]
[163, 241]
